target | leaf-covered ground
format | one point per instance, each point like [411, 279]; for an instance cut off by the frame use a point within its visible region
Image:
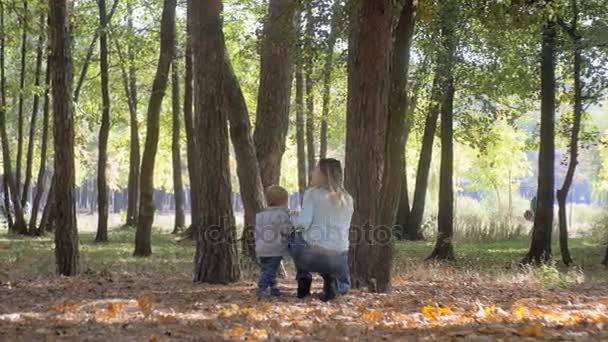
[482, 296]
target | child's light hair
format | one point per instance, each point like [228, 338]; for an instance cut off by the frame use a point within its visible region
[277, 196]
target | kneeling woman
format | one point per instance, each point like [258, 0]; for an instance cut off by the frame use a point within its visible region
[320, 242]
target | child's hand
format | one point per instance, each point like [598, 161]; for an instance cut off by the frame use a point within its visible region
[294, 213]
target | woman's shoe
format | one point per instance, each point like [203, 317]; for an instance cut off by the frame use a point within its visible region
[304, 288]
[329, 289]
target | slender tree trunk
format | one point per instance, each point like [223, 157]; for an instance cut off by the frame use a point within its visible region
[130, 85]
[22, 77]
[398, 98]
[19, 226]
[104, 130]
[46, 221]
[327, 73]
[35, 107]
[7, 205]
[368, 136]
[143, 245]
[247, 169]
[276, 72]
[444, 249]
[40, 182]
[178, 184]
[310, 96]
[66, 232]
[540, 248]
[216, 259]
[89, 55]
[300, 122]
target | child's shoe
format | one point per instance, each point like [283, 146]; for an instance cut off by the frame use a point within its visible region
[275, 292]
[304, 288]
[262, 293]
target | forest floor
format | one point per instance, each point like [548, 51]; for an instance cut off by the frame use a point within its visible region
[483, 295]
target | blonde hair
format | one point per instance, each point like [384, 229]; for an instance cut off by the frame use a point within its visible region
[277, 196]
[332, 170]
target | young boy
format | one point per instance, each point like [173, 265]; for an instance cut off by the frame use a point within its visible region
[272, 229]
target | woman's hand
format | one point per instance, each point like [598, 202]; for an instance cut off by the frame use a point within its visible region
[294, 213]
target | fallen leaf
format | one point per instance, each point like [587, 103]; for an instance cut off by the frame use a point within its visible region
[535, 330]
[146, 303]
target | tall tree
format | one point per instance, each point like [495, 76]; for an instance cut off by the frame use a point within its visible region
[308, 67]
[300, 122]
[367, 137]
[276, 72]
[216, 259]
[188, 115]
[35, 107]
[540, 247]
[22, 78]
[10, 189]
[66, 232]
[398, 98]
[104, 129]
[336, 13]
[178, 184]
[143, 245]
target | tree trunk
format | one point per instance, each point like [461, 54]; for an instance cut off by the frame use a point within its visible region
[35, 106]
[216, 259]
[22, 77]
[178, 184]
[143, 245]
[46, 221]
[7, 205]
[444, 249]
[40, 182]
[104, 130]
[398, 98]
[272, 117]
[19, 226]
[247, 168]
[300, 122]
[66, 232]
[327, 73]
[310, 96]
[540, 248]
[89, 55]
[368, 136]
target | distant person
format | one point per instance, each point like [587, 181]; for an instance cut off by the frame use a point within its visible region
[272, 229]
[530, 214]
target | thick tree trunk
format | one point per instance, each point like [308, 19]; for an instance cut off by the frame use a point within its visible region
[66, 232]
[300, 122]
[336, 13]
[143, 245]
[247, 168]
[178, 184]
[22, 77]
[272, 117]
[367, 150]
[444, 249]
[40, 182]
[104, 129]
[130, 85]
[398, 99]
[310, 96]
[540, 248]
[89, 55]
[216, 259]
[18, 225]
[35, 107]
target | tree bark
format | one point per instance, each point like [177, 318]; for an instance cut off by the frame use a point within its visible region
[327, 74]
[216, 259]
[300, 122]
[276, 72]
[40, 182]
[35, 107]
[367, 150]
[22, 77]
[540, 247]
[18, 225]
[66, 232]
[398, 97]
[444, 249]
[310, 96]
[143, 245]
[104, 130]
[178, 184]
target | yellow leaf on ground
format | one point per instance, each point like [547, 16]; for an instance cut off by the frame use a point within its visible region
[146, 303]
[432, 313]
[236, 332]
[372, 316]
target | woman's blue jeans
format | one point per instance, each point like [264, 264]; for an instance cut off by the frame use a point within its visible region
[310, 259]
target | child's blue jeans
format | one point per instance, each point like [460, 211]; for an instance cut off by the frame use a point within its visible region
[270, 268]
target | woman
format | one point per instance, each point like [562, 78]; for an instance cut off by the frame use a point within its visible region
[320, 242]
